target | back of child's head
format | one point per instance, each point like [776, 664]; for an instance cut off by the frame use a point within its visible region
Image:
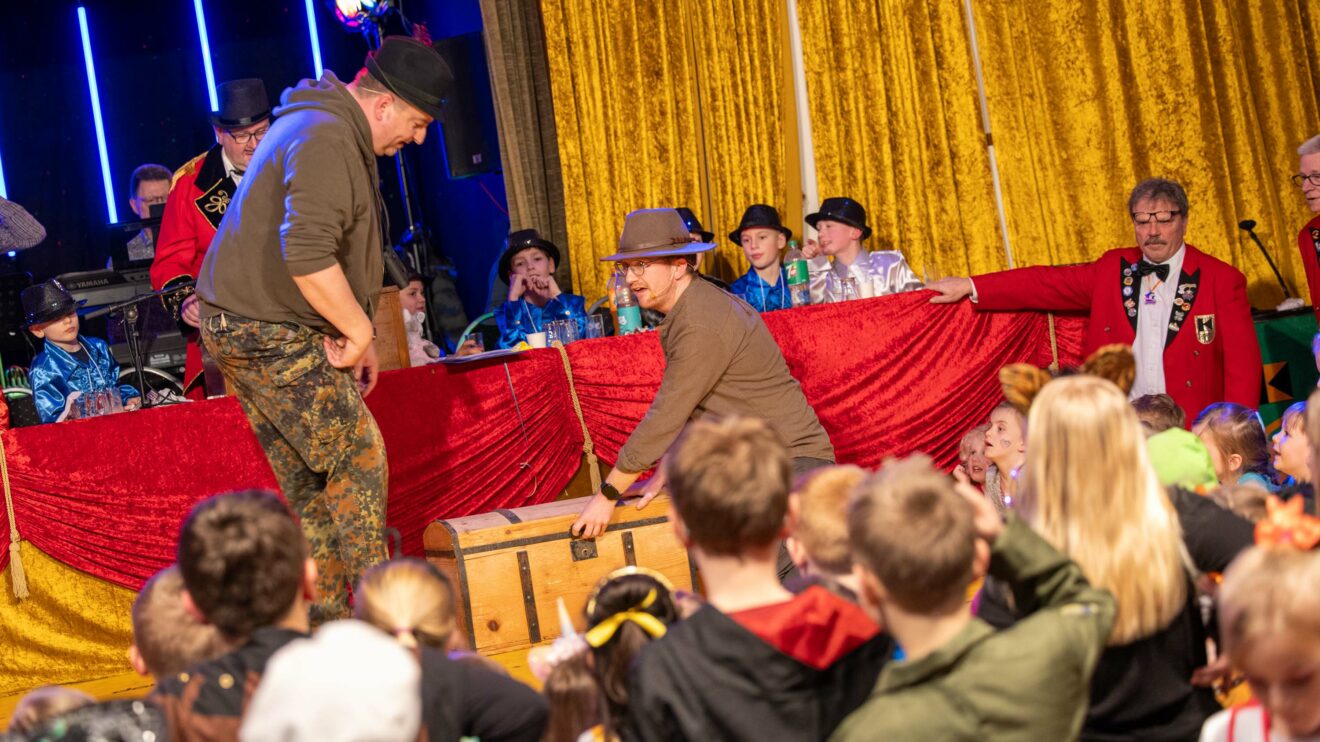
[1158, 413]
[822, 525]
[1269, 595]
[630, 608]
[409, 599]
[1236, 430]
[43, 704]
[574, 699]
[909, 527]
[729, 480]
[241, 555]
[166, 637]
[1245, 500]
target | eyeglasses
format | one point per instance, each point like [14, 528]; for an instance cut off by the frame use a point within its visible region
[1162, 217]
[636, 269]
[248, 136]
[1312, 178]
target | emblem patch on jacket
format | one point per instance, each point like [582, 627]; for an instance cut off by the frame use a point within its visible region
[1205, 328]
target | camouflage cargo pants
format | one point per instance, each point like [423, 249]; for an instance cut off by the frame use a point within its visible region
[320, 439]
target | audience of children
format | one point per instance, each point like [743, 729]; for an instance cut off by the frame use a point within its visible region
[1090, 562]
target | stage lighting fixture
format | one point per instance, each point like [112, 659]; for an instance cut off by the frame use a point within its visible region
[205, 41]
[358, 14]
[315, 39]
[95, 93]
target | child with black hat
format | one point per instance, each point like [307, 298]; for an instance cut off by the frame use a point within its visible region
[71, 365]
[855, 272]
[535, 299]
[762, 237]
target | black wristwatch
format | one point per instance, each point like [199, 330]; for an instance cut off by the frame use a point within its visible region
[610, 491]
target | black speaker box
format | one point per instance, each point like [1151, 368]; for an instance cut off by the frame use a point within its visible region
[472, 144]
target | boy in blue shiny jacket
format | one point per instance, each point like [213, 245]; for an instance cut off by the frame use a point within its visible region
[70, 362]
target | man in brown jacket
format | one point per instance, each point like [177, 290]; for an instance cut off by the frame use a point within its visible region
[720, 359]
[288, 289]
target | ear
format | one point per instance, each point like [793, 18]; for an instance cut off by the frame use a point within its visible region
[217, 131]
[871, 593]
[797, 553]
[191, 608]
[309, 577]
[136, 662]
[39, 333]
[680, 528]
[790, 517]
[380, 104]
[981, 559]
[1234, 462]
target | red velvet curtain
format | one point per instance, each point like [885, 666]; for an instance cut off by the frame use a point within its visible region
[886, 376]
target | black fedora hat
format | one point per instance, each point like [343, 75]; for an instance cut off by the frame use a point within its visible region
[242, 103]
[841, 209]
[693, 225]
[47, 301]
[414, 71]
[521, 240]
[759, 215]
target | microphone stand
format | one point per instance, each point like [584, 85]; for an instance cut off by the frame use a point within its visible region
[132, 335]
[1249, 227]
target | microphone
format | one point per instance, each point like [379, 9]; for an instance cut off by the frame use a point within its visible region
[1249, 226]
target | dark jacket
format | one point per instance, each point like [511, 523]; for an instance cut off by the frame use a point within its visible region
[207, 701]
[709, 678]
[462, 699]
[309, 201]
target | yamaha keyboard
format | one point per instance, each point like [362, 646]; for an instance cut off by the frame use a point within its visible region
[103, 287]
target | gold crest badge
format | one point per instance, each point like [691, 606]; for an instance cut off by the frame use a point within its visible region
[1205, 328]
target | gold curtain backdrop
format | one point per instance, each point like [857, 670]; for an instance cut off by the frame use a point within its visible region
[653, 100]
[896, 125]
[1087, 99]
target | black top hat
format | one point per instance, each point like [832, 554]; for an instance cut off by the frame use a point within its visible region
[841, 209]
[47, 301]
[242, 103]
[413, 71]
[521, 240]
[759, 215]
[693, 225]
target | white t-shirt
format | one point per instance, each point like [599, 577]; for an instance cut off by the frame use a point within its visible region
[1245, 724]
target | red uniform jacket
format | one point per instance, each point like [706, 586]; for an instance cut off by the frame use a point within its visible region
[1308, 241]
[1210, 355]
[199, 196]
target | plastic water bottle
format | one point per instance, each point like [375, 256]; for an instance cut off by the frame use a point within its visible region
[799, 279]
[627, 313]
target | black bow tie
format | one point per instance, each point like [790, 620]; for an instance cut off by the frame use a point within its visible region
[1160, 271]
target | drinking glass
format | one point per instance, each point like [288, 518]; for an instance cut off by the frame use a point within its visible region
[593, 326]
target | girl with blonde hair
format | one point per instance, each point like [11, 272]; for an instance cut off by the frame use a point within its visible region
[1088, 487]
[414, 602]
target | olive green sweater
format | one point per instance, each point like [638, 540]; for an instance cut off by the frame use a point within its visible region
[720, 359]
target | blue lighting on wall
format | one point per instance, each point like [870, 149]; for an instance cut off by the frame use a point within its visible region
[4, 192]
[206, 53]
[112, 212]
[316, 39]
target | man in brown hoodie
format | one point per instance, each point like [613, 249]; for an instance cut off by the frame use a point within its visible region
[288, 290]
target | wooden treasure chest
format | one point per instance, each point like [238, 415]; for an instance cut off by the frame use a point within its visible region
[509, 567]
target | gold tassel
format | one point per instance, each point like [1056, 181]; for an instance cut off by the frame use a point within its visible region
[593, 466]
[16, 572]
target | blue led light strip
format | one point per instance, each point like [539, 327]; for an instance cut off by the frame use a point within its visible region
[316, 39]
[4, 192]
[96, 116]
[206, 53]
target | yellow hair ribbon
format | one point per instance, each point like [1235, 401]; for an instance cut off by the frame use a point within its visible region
[597, 636]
